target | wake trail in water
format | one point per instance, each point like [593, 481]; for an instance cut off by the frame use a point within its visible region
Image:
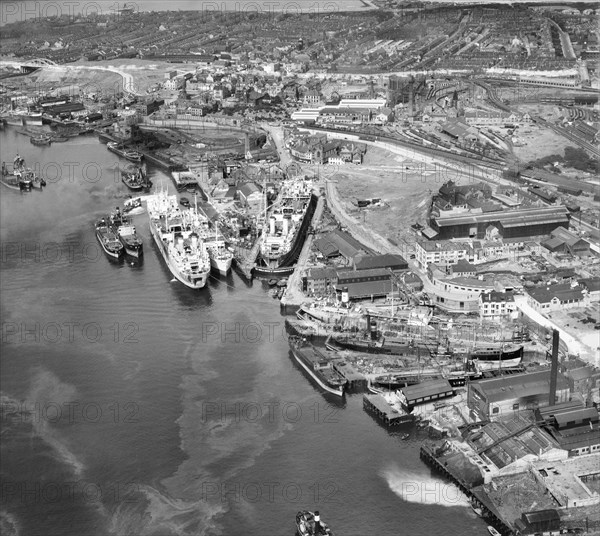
[48, 391]
[421, 488]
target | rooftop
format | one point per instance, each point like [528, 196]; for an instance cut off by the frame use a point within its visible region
[561, 291]
[509, 218]
[519, 385]
[428, 388]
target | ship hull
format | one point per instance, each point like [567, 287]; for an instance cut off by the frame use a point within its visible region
[133, 250]
[496, 364]
[196, 282]
[311, 372]
[115, 254]
[220, 266]
[124, 154]
[288, 259]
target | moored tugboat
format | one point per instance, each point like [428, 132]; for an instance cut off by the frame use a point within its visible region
[126, 233]
[20, 178]
[108, 240]
[310, 524]
[317, 366]
[136, 179]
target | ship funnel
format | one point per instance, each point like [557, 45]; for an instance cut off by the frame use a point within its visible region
[286, 225]
[194, 238]
[272, 225]
[373, 328]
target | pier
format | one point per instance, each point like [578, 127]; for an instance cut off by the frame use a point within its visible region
[387, 413]
[474, 493]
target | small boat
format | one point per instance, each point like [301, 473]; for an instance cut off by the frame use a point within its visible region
[478, 511]
[133, 206]
[43, 139]
[272, 282]
[404, 437]
[133, 156]
[20, 177]
[108, 240]
[134, 179]
[310, 524]
[493, 531]
[184, 202]
[60, 139]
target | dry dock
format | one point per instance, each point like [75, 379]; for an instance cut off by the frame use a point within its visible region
[293, 296]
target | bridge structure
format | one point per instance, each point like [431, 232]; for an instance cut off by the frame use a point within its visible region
[34, 64]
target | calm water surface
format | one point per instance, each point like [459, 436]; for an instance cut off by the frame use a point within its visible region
[133, 405]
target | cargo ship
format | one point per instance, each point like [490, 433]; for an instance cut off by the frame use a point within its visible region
[125, 231]
[132, 156]
[181, 247]
[319, 368]
[108, 239]
[286, 227]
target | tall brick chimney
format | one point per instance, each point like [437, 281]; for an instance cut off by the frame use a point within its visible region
[554, 368]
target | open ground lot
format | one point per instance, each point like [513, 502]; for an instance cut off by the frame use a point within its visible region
[405, 193]
[539, 142]
[572, 321]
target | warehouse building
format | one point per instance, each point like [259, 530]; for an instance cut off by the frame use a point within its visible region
[424, 392]
[496, 397]
[533, 221]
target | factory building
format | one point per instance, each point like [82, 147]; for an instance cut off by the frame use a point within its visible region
[496, 397]
[533, 221]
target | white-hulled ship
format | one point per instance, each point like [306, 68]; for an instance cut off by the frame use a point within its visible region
[179, 243]
[220, 255]
[285, 219]
[497, 355]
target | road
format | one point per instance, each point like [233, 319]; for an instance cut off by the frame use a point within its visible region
[575, 346]
[293, 295]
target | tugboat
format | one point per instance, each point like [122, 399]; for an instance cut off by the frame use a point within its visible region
[108, 240]
[121, 226]
[135, 179]
[20, 178]
[132, 156]
[310, 524]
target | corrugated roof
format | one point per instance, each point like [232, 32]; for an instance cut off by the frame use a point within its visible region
[509, 218]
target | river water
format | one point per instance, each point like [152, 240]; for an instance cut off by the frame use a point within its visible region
[19, 10]
[134, 405]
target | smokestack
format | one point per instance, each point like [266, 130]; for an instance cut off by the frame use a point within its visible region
[554, 368]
